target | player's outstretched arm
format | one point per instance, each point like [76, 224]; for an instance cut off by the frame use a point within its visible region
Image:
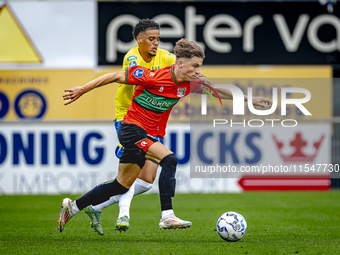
[76, 92]
[260, 101]
[225, 93]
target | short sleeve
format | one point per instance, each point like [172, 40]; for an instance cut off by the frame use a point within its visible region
[125, 63]
[139, 75]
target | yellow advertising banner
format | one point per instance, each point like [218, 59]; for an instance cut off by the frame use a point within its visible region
[37, 94]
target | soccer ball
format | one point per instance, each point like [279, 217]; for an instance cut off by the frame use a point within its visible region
[231, 226]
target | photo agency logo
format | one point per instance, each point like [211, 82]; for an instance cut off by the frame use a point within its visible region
[239, 106]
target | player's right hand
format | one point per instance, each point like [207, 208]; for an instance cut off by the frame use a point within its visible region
[73, 94]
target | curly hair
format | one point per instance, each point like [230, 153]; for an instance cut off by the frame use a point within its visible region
[143, 25]
[188, 49]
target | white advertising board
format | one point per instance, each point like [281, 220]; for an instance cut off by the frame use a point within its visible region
[40, 158]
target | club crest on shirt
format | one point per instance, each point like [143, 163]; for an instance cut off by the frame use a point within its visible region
[161, 89]
[138, 73]
[181, 92]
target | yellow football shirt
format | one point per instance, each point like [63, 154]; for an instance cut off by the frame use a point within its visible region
[133, 58]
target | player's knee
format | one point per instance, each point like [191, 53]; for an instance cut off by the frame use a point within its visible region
[169, 160]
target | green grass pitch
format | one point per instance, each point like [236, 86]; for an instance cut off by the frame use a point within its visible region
[278, 223]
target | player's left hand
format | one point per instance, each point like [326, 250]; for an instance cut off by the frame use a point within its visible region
[262, 101]
[73, 94]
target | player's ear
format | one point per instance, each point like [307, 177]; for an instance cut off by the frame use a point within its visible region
[138, 39]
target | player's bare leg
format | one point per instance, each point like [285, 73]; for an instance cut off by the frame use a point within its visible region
[127, 174]
[149, 171]
[146, 177]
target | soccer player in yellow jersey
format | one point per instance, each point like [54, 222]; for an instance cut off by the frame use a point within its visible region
[147, 54]
[153, 58]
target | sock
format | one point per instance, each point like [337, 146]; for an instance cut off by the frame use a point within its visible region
[74, 209]
[125, 201]
[141, 186]
[166, 202]
[124, 211]
[102, 206]
[167, 181]
[167, 213]
[101, 193]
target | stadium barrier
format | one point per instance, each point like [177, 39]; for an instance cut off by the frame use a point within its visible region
[54, 157]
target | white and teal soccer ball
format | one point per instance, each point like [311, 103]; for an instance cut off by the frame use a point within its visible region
[231, 226]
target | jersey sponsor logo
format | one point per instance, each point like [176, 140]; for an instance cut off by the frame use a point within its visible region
[131, 58]
[181, 92]
[154, 102]
[161, 89]
[138, 73]
[133, 63]
[159, 103]
[144, 144]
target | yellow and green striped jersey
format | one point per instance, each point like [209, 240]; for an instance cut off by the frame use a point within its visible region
[133, 58]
